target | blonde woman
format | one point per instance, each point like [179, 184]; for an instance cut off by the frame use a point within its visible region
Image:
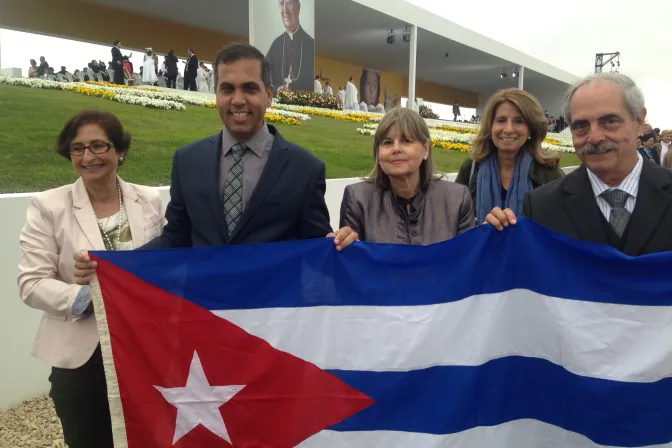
[403, 200]
[507, 159]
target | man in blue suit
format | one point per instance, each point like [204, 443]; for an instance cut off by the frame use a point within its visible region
[246, 184]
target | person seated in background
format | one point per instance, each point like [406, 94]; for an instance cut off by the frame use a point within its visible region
[648, 149]
[103, 71]
[403, 200]
[32, 71]
[128, 69]
[507, 160]
[98, 212]
[50, 76]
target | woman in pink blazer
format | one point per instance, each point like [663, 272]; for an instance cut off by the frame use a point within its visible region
[98, 212]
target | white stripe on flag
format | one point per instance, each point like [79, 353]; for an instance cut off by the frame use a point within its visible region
[515, 434]
[618, 342]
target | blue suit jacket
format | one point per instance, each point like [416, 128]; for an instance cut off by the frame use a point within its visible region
[287, 204]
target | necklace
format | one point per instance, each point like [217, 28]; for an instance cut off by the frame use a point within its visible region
[120, 223]
[290, 79]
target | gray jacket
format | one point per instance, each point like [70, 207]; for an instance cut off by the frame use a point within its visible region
[442, 212]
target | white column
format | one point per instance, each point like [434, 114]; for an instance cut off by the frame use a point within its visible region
[521, 76]
[250, 33]
[411, 67]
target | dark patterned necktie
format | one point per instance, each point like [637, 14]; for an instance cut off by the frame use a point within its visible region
[619, 215]
[233, 188]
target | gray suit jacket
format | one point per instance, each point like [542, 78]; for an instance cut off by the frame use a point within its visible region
[442, 212]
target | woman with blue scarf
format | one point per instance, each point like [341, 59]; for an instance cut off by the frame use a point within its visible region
[507, 159]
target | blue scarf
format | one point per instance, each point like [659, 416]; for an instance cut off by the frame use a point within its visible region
[489, 185]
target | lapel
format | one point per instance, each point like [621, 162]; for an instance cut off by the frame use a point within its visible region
[134, 213]
[85, 216]
[277, 159]
[212, 156]
[580, 204]
[650, 207]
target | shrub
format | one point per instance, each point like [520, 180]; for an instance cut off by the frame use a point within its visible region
[426, 112]
[309, 99]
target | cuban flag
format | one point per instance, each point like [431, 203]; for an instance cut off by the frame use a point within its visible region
[516, 339]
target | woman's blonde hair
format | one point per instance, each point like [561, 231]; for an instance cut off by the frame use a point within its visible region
[666, 133]
[412, 126]
[534, 117]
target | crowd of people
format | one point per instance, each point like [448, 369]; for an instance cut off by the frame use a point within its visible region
[196, 76]
[616, 197]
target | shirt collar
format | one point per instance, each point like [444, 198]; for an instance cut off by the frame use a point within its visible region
[291, 35]
[630, 184]
[257, 144]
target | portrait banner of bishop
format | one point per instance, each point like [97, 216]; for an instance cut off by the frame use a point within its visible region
[284, 30]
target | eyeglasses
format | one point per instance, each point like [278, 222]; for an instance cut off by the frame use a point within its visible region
[96, 147]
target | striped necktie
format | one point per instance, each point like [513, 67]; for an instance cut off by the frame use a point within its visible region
[233, 188]
[619, 215]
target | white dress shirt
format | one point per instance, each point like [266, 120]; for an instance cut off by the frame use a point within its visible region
[630, 185]
[663, 151]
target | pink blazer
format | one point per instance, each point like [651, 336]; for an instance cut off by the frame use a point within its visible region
[59, 223]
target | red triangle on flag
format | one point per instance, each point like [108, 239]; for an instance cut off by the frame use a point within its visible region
[154, 335]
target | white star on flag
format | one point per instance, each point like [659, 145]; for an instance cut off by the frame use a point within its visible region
[199, 403]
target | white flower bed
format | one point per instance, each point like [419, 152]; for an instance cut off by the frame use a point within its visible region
[148, 102]
[286, 113]
[294, 108]
[170, 100]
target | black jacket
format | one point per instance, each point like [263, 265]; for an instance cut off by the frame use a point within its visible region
[287, 203]
[171, 65]
[569, 207]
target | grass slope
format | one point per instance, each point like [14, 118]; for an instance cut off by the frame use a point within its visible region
[30, 120]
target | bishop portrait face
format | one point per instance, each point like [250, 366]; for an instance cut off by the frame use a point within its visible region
[289, 11]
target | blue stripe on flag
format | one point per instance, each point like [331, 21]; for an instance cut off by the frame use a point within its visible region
[311, 273]
[449, 399]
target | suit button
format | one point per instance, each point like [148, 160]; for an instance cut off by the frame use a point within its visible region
[414, 232]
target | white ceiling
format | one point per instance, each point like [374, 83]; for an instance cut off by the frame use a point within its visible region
[352, 32]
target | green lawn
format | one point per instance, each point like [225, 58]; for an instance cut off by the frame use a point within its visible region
[30, 120]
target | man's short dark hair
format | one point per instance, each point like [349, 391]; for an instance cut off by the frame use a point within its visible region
[646, 137]
[236, 51]
[116, 42]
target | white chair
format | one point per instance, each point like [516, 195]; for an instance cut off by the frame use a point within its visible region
[371, 108]
[99, 77]
[137, 79]
[111, 73]
[362, 107]
[380, 109]
[179, 84]
[60, 77]
[162, 81]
